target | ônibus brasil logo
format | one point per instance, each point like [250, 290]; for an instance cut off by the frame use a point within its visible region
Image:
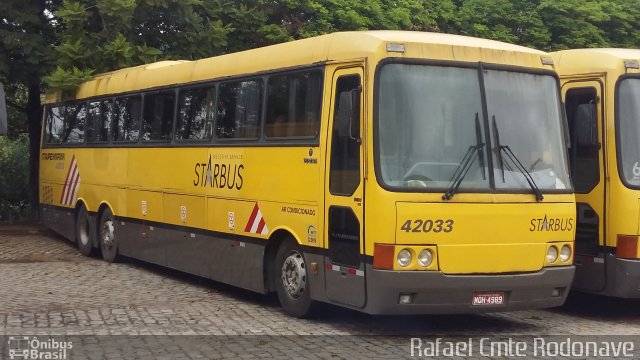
[32, 348]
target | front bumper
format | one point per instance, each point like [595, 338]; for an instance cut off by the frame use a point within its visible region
[438, 293]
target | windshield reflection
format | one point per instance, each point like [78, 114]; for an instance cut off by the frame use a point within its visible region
[527, 113]
[427, 126]
[629, 130]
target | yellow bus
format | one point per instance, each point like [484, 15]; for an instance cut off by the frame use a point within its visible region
[387, 172]
[601, 90]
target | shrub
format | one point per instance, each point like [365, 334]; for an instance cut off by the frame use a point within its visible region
[14, 178]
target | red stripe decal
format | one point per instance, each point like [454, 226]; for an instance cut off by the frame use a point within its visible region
[328, 266]
[69, 186]
[261, 225]
[74, 186]
[69, 181]
[66, 181]
[352, 271]
[254, 213]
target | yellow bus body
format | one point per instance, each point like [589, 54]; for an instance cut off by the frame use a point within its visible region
[607, 243]
[172, 207]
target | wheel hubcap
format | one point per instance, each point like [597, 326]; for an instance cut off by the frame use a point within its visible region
[107, 233]
[294, 275]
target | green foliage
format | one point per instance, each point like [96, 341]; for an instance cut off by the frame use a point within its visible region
[122, 33]
[70, 40]
[25, 40]
[512, 21]
[305, 18]
[15, 117]
[67, 79]
[14, 162]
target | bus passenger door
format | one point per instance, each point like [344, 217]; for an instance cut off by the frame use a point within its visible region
[344, 261]
[584, 106]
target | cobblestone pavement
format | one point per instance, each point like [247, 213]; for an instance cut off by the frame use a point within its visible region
[47, 288]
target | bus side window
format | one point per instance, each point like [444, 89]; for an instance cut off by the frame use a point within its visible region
[99, 121]
[583, 130]
[157, 122]
[126, 126]
[293, 105]
[239, 110]
[195, 114]
[75, 117]
[345, 149]
[54, 125]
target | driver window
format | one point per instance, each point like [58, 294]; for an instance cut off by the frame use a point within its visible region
[583, 155]
[344, 176]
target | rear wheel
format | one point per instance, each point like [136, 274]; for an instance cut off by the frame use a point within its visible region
[83, 232]
[292, 280]
[108, 238]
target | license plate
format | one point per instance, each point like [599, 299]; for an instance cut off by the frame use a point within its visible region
[494, 298]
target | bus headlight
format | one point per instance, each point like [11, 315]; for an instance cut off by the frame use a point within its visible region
[425, 257]
[565, 253]
[404, 257]
[552, 254]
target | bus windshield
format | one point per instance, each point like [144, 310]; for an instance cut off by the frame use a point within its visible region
[629, 130]
[432, 129]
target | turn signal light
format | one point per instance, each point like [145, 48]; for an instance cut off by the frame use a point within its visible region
[627, 246]
[383, 256]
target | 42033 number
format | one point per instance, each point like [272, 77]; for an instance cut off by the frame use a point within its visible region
[428, 225]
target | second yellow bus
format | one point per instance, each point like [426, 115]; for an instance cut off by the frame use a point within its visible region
[601, 89]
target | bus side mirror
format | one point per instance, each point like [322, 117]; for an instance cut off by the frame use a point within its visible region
[3, 112]
[586, 125]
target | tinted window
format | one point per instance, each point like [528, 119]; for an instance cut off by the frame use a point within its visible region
[583, 152]
[99, 119]
[525, 115]
[158, 116]
[345, 150]
[127, 119]
[238, 110]
[428, 118]
[628, 121]
[293, 105]
[54, 125]
[75, 118]
[195, 120]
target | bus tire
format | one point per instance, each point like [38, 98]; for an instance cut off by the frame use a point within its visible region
[84, 237]
[108, 239]
[292, 280]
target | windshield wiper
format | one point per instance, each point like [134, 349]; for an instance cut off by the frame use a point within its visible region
[496, 135]
[510, 155]
[479, 145]
[474, 151]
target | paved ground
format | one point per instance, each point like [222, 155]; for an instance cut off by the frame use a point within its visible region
[47, 288]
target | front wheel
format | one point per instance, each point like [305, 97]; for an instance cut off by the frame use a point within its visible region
[292, 280]
[108, 239]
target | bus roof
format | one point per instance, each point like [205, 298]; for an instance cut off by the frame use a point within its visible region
[584, 61]
[338, 46]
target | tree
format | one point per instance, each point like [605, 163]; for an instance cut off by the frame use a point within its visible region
[72, 40]
[512, 21]
[122, 33]
[25, 39]
[295, 19]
